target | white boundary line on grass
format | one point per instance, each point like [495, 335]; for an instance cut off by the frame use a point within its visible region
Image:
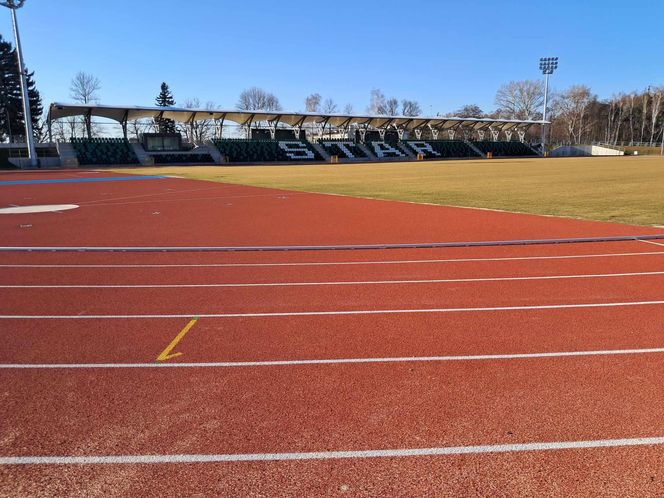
[329, 283]
[335, 313]
[336, 263]
[329, 455]
[335, 361]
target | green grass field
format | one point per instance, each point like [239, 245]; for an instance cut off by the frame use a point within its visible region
[622, 189]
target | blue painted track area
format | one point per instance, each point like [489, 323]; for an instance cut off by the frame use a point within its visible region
[81, 180]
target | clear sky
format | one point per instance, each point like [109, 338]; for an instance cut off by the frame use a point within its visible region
[441, 53]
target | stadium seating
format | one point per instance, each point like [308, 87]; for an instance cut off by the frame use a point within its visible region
[182, 158]
[99, 151]
[440, 149]
[343, 148]
[243, 150]
[498, 149]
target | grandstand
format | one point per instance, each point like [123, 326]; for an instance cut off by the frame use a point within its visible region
[284, 137]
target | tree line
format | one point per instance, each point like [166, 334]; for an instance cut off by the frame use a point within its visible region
[576, 114]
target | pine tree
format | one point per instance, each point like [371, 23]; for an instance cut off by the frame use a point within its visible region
[12, 122]
[165, 99]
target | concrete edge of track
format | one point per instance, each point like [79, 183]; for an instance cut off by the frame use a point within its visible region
[348, 247]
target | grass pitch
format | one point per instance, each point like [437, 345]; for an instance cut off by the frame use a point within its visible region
[619, 189]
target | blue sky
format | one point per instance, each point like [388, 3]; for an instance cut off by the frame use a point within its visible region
[442, 54]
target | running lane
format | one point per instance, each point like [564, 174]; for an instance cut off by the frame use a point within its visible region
[332, 407]
[240, 215]
[331, 337]
[330, 299]
[601, 472]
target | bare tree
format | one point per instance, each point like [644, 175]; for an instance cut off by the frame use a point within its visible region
[644, 113]
[40, 131]
[469, 111]
[410, 108]
[572, 107]
[348, 109]
[329, 107]
[137, 127]
[392, 106]
[657, 96]
[520, 99]
[257, 99]
[58, 130]
[617, 106]
[84, 88]
[198, 131]
[377, 103]
[312, 103]
[631, 101]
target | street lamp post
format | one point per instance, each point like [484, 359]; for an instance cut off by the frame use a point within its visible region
[547, 65]
[32, 153]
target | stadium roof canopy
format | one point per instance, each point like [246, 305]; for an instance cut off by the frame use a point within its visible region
[122, 114]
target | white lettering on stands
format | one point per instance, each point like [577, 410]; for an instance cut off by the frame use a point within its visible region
[423, 148]
[296, 150]
[342, 146]
[383, 149]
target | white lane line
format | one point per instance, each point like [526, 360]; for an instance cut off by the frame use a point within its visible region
[314, 284]
[334, 263]
[651, 242]
[334, 361]
[166, 192]
[336, 313]
[154, 201]
[329, 455]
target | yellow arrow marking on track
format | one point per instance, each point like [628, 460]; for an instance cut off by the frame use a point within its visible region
[165, 354]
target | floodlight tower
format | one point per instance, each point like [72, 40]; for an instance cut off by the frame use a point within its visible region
[547, 65]
[13, 5]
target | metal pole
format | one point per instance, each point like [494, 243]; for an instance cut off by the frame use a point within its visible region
[32, 153]
[546, 94]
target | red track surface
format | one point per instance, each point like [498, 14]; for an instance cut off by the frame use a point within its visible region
[290, 408]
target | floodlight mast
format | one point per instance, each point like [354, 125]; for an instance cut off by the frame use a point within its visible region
[32, 153]
[547, 65]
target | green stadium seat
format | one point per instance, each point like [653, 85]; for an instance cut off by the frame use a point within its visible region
[103, 151]
[441, 149]
[188, 158]
[253, 150]
[504, 149]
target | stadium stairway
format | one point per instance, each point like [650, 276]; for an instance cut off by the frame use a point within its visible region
[321, 150]
[212, 150]
[216, 155]
[472, 146]
[68, 157]
[143, 157]
[406, 150]
[370, 155]
[534, 149]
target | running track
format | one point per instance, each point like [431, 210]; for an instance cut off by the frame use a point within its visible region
[477, 371]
